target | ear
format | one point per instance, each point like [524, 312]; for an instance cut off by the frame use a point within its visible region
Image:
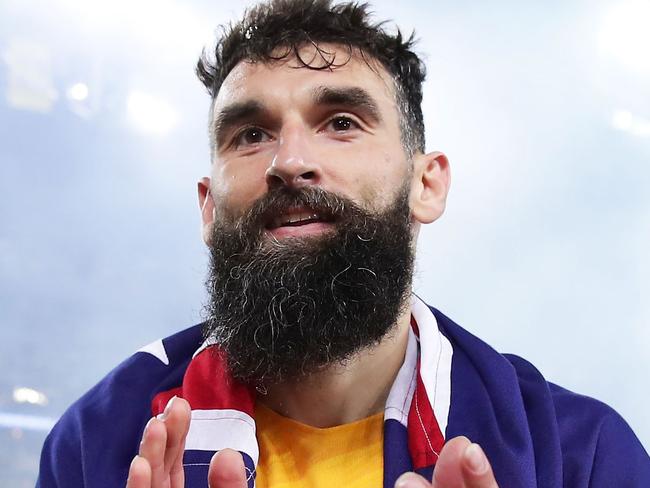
[430, 185]
[206, 204]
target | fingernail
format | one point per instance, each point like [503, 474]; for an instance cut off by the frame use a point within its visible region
[168, 408]
[476, 459]
[408, 480]
[145, 432]
[134, 461]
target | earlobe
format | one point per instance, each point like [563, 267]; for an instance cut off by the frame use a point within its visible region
[431, 180]
[208, 210]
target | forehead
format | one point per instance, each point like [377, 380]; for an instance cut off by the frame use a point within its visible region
[289, 78]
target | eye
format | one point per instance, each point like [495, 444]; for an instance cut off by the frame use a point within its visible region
[251, 136]
[342, 124]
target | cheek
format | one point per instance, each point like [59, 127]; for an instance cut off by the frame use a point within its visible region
[379, 181]
[234, 189]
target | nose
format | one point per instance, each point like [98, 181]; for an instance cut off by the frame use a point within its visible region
[293, 164]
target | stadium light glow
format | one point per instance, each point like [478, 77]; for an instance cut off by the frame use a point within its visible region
[78, 92]
[625, 34]
[22, 394]
[27, 422]
[626, 121]
[150, 114]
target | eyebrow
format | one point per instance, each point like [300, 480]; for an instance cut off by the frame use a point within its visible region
[348, 97]
[238, 113]
[233, 115]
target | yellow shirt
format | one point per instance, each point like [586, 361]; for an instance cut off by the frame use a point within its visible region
[300, 456]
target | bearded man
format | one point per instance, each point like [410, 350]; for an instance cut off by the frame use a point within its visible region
[316, 365]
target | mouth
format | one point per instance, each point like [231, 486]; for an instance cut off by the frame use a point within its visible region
[298, 221]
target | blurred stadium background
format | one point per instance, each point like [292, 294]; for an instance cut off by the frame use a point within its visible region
[542, 107]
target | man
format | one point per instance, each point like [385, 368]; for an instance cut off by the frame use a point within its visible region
[316, 366]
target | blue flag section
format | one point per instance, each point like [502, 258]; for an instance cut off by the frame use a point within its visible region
[535, 433]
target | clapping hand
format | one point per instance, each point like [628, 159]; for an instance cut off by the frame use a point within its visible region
[461, 465]
[159, 463]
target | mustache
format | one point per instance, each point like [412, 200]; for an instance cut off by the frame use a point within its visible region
[329, 207]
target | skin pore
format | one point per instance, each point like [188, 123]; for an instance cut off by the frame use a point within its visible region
[338, 129]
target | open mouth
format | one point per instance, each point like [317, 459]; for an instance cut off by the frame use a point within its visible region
[296, 218]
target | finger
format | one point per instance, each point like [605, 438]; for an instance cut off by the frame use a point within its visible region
[448, 472]
[152, 448]
[177, 420]
[412, 480]
[139, 473]
[476, 468]
[227, 470]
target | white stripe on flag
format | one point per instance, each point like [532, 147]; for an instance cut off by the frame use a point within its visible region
[401, 393]
[213, 430]
[435, 362]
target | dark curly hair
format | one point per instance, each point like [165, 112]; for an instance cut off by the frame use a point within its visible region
[279, 28]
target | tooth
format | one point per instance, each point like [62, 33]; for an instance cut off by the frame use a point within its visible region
[290, 219]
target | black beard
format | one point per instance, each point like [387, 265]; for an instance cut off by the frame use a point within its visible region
[284, 309]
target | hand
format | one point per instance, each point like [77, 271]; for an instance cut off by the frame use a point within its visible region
[461, 465]
[159, 464]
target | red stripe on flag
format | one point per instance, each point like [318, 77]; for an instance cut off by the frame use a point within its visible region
[208, 386]
[425, 440]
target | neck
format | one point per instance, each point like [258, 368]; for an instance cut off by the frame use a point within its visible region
[344, 393]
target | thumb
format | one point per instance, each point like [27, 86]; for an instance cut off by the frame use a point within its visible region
[227, 470]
